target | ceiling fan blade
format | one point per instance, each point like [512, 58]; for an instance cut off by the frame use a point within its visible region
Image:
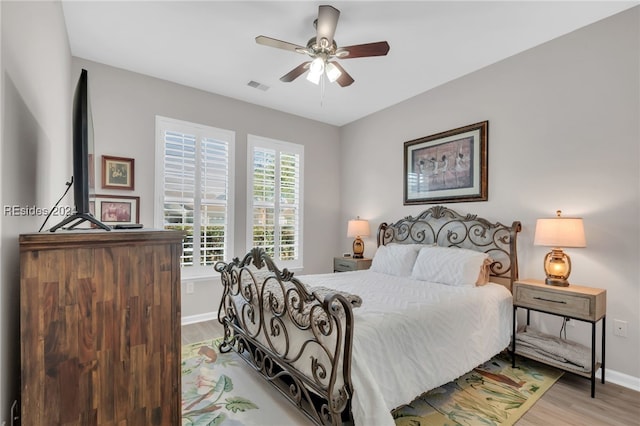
[327, 23]
[272, 42]
[380, 48]
[345, 79]
[295, 73]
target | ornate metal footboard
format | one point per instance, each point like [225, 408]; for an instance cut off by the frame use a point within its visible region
[299, 339]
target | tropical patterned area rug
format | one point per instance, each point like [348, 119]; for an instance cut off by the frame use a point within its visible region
[491, 394]
[222, 390]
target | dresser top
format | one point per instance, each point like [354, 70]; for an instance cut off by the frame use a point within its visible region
[65, 238]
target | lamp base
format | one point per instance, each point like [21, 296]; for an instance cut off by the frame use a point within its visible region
[556, 282]
[557, 268]
[358, 248]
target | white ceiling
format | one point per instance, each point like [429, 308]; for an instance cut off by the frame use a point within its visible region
[210, 45]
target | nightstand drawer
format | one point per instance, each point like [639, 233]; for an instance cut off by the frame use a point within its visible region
[344, 264]
[585, 303]
[572, 305]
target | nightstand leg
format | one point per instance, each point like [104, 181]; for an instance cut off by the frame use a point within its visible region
[604, 323]
[593, 359]
[513, 339]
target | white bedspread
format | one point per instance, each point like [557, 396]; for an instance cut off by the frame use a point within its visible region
[412, 336]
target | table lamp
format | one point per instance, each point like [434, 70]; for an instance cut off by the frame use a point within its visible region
[358, 228]
[559, 232]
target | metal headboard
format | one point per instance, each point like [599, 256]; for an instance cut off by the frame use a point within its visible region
[444, 227]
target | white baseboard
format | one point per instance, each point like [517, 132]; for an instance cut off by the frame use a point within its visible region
[624, 380]
[192, 319]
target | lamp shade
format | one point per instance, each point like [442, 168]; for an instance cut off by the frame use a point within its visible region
[358, 228]
[560, 232]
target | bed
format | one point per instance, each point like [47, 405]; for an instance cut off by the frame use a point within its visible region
[347, 348]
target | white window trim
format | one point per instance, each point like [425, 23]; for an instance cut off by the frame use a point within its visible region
[165, 123]
[263, 142]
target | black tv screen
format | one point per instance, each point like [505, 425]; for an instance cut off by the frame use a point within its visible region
[81, 134]
[82, 157]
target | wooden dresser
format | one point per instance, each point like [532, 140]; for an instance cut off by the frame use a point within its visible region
[100, 327]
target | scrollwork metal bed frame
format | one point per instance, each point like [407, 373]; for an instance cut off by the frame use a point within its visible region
[263, 308]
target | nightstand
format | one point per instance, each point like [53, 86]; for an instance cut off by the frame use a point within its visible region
[344, 264]
[576, 302]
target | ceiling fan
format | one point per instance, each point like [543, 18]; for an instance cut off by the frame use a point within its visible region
[323, 50]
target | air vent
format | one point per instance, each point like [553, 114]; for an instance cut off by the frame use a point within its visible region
[257, 85]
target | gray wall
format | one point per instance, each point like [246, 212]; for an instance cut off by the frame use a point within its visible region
[563, 134]
[35, 151]
[124, 108]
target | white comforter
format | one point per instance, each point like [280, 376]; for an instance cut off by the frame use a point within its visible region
[412, 336]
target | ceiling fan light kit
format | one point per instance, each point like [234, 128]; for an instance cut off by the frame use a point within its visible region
[332, 71]
[322, 49]
[316, 69]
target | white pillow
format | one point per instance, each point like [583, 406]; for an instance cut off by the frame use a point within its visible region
[395, 259]
[449, 265]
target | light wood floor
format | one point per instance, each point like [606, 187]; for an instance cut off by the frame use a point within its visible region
[200, 331]
[568, 402]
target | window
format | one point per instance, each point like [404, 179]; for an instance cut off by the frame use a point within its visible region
[275, 188]
[194, 191]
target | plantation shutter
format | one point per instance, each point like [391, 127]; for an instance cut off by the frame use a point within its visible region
[275, 203]
[196, 191]
[289, 217]
[264, 199]
[179, 188]
[214, 184]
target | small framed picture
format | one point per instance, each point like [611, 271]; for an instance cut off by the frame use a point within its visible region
[117, 173]
[118, 209]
